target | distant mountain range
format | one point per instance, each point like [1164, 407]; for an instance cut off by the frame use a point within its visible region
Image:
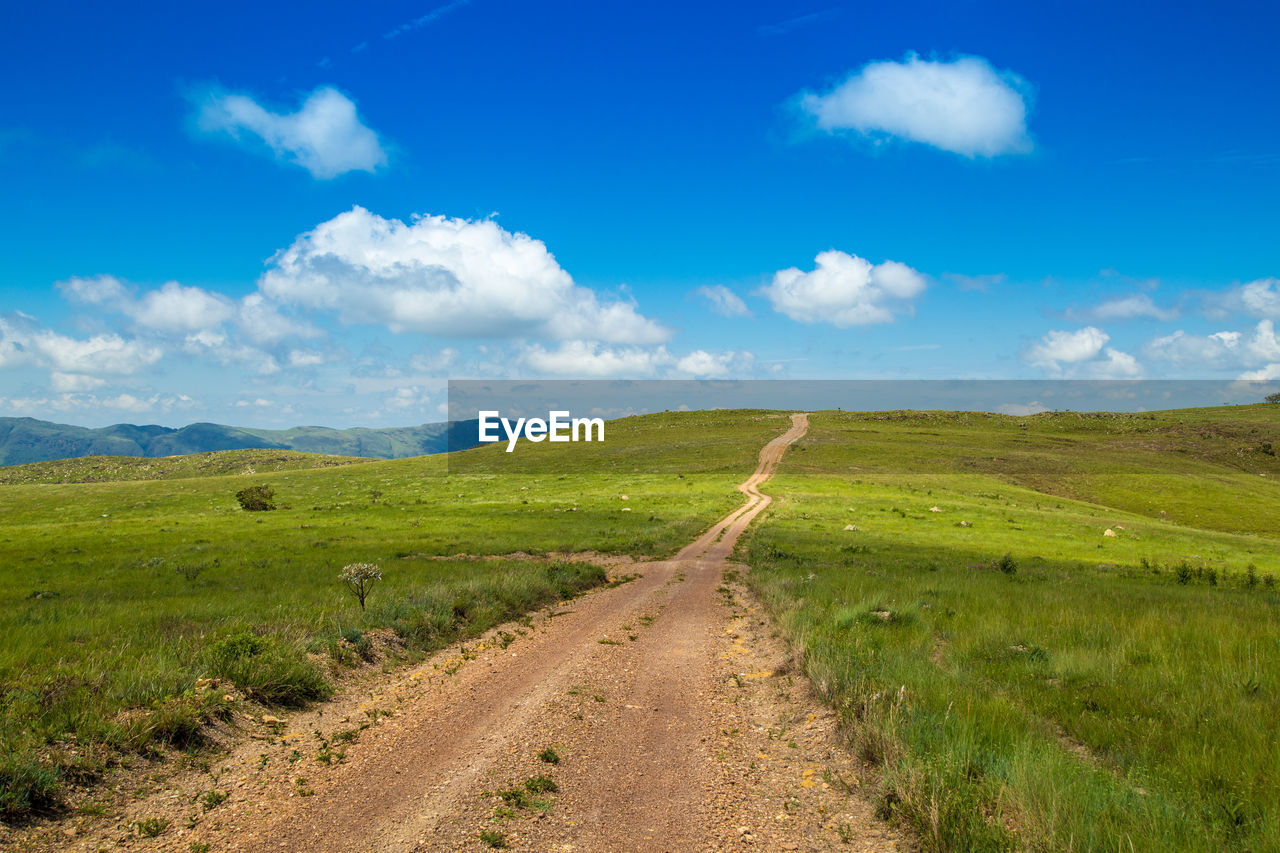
[25, 440]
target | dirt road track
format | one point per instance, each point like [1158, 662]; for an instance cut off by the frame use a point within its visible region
[667, 699]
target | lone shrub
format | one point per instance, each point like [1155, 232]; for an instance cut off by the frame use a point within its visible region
[267, 672]
[1184, 573]
[256, 498]
[26, 786]
[360, 578]
[1273, 398]
[1007, 564]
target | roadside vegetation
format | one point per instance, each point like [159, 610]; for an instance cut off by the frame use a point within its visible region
[99, 469]
[120, 600]
[1059, 632]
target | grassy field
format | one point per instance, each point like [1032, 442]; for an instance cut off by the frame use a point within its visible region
[109, 469]
[1023, 680]
[115, 597]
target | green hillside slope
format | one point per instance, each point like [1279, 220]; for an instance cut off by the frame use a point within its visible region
[115, 597]
[25, 440]
[1024, 679]
[100, 469]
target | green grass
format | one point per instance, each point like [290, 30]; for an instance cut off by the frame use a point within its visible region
[115, 597]
[98, 469]
[1085, 700]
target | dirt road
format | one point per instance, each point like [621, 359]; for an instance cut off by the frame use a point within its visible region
[666, 700]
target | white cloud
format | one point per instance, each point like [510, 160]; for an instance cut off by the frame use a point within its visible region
[434, 362]
[1082, 353]
[724, 301]
[1264, 345]
[448, 277]
[71, 382]
[1115, 365]
[1261, 298]
[174, 308]
[218, 346]
[195, 314]
[1263, 374]
[1219, 350]
[845, 290]
[1182, 349]
[325, 136]
[1058, 347]
[1129, 308]
[701, 363]
[965, 106]
[305, 358]
[96, 355]
[590, 359]
[262, 323]
[412, 397]
[95, 290]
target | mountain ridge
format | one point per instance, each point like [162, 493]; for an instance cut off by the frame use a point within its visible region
[24, 440]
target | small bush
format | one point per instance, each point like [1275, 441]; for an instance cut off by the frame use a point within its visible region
[1251, 576]
[1007, 564]
[541, 785]
[266, 672]
[1184, 573]
[362, 645]
[360, 578]
[190, 571]
[494, 839]
[152, 827]
[549, 756]
[25, 786]
[256, 498]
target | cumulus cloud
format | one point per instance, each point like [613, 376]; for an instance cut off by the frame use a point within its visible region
[93, 404]
[1264, 345]
[724, 301]
[305, 358]
[703, 364]
[845, 290]
[1181, 349]
[590, 359]
[108, 353]
[1257, 349]
[174, 308]
[1261, 298]
[95, 290]
[72, 382]
[1062, 347]
[448, 277]
[262, 322]
[1115, 365]
[325, 136]
[1082, 353]
[1263, 374]
[964, 106]
[196, 316]
[1138, 305]
[24, 342]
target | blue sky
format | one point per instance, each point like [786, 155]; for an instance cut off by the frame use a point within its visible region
[318, 214]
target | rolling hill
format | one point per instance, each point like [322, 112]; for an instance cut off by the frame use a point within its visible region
[24, 440]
